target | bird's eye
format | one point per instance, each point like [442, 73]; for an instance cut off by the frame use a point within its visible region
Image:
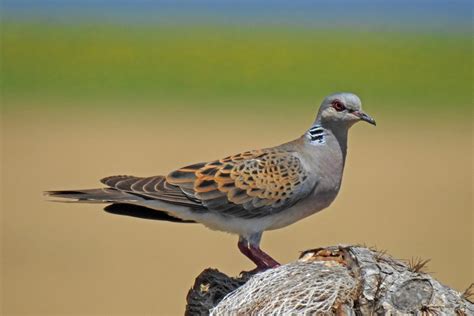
[338, 105]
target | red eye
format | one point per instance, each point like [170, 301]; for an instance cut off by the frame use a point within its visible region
[338, 105]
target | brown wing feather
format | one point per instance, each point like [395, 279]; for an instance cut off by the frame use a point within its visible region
[250, 184]
[152, 187]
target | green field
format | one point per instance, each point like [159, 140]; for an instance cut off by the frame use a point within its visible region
[214, 62]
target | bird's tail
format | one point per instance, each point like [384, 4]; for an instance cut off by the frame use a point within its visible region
[123, 203]
[103, 195]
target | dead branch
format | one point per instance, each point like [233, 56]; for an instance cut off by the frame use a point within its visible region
[338, 280]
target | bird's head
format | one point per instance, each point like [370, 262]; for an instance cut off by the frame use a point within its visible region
[342, 109]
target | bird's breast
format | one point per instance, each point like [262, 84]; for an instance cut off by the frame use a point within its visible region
[326, 167]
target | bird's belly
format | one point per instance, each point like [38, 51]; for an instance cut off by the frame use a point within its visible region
[301, 210]
[246, 227]
[236, 225]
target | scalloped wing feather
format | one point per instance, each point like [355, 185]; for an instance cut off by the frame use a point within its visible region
[152, 187]
[247, 185]
[250, 184]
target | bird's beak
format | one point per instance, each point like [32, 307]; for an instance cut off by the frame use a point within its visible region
[365, 117]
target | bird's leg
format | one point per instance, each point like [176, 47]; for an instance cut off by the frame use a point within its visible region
[251, 249]
[268, 261]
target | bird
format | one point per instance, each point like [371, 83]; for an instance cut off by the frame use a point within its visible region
[247, 193]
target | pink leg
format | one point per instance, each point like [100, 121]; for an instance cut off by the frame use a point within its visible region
[268, 261]
[258, 256]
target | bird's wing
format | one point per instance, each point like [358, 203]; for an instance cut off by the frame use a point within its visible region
[247, 185]
[151, 188]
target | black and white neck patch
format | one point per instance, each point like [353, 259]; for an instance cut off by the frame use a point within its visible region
[316, 135]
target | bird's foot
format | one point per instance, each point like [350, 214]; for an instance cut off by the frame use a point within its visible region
[247, 274]
[257, 269]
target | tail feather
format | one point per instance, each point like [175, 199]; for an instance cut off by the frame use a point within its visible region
[123, 203]
[104, 195]
[142, 212]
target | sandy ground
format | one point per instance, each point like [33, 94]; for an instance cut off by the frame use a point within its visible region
[407, 189]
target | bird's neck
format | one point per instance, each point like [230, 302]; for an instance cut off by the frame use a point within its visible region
[338, 132]
[326, 148]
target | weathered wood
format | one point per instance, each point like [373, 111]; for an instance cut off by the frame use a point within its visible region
[210, 287]
[339, 280]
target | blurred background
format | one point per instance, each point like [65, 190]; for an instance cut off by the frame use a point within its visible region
[95, 88]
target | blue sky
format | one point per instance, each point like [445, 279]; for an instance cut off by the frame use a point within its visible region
[430, 14]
